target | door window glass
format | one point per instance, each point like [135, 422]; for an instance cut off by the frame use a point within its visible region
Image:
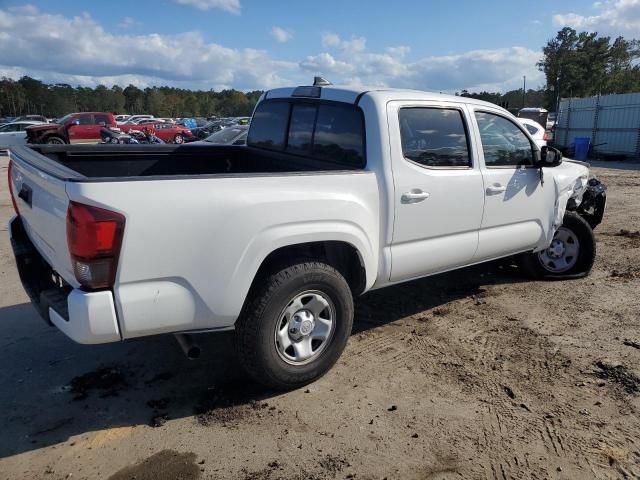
[101, 119]
[434, 137]
[339, 135]
[85, 119]
[503, 143]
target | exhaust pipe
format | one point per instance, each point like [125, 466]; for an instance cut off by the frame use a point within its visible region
[188, 346]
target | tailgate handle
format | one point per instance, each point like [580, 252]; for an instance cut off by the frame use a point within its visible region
[25, 194]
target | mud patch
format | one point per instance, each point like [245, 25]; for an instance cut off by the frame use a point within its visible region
[634, 237]
[333, 464]
[628, 273]
[620, 375]
[109, 380]
[164, 465]
[231, 404]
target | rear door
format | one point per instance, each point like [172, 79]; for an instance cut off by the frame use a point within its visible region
[99, 122]
[519, 207]
[438, 188]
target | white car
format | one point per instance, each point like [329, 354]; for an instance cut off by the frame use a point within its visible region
[537, 131]
[339, 190]
[134, 119]
[14, 133]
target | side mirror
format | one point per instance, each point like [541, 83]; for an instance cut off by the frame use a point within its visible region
[550, 157]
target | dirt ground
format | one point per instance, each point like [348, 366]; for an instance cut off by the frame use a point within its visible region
[474, 374]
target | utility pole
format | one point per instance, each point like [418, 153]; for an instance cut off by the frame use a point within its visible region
[524, 89]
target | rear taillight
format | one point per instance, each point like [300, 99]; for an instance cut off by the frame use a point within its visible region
[10, 179]
[94, 236]
[546, 136]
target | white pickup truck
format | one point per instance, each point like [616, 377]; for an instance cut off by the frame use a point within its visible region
[339, 191]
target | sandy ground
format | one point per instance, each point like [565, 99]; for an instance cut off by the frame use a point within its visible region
[475, 374]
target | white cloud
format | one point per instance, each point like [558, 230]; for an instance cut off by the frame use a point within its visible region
[281, 35]
[333, 40]
[399, 51]
[614, 17]
[231, 6]
[498, 69]
[128, 22]
[56, 48]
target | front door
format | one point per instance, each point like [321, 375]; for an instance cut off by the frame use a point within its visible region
[438, 197]
[83, 132]
[519, 207]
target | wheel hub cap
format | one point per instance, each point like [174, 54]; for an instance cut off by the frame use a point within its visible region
[305, 328]
[563, 252]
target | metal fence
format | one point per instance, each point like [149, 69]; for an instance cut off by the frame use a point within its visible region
[612, 122]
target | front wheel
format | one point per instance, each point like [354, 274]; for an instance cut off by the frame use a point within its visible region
[570, 255]
[295, 325]
[55, 141]
[178, 139]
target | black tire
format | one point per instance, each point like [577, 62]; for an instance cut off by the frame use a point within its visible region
[534, 268]
[54, 140]
[256, 326]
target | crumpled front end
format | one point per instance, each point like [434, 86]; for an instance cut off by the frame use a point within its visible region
[575, 191]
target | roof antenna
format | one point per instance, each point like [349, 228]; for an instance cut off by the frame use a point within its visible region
[321, 82]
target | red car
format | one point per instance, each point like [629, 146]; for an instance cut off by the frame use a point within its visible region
[73, 128]
[167, 132]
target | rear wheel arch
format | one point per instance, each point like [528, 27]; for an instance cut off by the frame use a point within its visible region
[341, 255]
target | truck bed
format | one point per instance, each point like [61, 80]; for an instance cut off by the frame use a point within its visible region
[126, 162]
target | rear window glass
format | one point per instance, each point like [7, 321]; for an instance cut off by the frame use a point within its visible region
[532, 130]
[434, 137]
[339, 135]
[330, 132]
[269, 125]
[301, 128]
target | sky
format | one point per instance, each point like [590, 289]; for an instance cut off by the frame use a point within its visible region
[252, 44]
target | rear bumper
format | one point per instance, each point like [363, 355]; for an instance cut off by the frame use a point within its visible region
[85, 317]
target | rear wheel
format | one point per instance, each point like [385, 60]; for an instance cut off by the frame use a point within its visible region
[295, 325]
[54, 141]
[178, 139]
[570, 255]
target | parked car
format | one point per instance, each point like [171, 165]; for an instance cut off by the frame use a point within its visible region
[536, 114]
[14, 133]
[536, 130]
[236, 135]
[200, 133]
[338, 191]
[133, 119]
[167, 132]
[81, 127]
[34, 118]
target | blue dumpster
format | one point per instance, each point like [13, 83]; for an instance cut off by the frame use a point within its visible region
[582, 148]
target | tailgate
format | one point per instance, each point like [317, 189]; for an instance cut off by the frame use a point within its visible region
[42, 204]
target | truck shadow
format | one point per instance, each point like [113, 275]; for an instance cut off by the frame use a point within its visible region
[58, 392]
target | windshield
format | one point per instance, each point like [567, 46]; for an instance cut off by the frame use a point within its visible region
[65, 118]
[227, 135]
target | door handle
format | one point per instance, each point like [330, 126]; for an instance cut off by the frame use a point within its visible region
[494, 189]
[414, 196]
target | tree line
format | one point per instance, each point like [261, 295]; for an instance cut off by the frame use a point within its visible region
[31, 96]
[575, 65]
